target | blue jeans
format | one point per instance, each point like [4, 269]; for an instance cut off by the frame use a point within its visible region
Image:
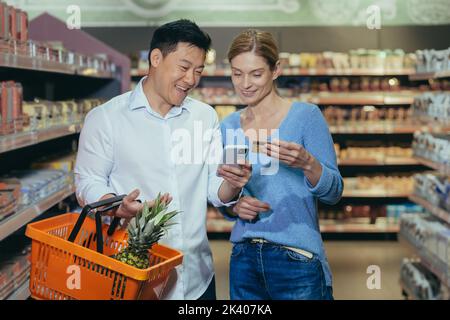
[266, 271]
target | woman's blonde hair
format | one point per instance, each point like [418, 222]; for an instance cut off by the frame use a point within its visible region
[260, 42]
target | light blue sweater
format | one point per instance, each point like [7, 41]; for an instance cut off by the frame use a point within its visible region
[293, 219]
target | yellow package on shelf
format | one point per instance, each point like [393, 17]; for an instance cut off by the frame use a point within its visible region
[65, 163]
[39, 114]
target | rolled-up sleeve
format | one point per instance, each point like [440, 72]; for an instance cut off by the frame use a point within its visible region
[94, 158]
[214, 157]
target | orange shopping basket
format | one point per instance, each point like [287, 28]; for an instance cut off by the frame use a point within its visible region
[70, 260]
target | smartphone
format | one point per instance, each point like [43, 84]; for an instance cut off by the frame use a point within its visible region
[234, 154]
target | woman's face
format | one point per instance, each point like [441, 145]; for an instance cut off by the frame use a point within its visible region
[252, 78]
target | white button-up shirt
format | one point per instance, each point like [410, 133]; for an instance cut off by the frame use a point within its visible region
[124, 145]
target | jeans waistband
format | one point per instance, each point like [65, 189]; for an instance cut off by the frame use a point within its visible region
[299, 251]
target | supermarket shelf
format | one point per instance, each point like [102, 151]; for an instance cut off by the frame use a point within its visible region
[429, 75]
[436, 211]
[359, 228]
[347, 72]
[442, 168]
[308, 72]
[373, 194]
[365, 128]
[358, 98]
[326, 226]
[22, 293]
[28, 63]
[389, 161]
[14, 222]
[343, 99]
[21, 140]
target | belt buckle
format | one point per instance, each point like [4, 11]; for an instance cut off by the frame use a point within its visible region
[258, 240]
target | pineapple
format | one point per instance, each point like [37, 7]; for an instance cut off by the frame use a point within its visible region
[144, 230]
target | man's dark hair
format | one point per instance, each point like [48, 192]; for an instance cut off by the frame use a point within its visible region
[167, 37]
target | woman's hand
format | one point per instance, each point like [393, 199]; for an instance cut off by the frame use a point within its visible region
[248, 208]
[294, 155]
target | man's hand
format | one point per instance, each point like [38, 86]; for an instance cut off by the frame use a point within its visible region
[248, 208]
[129, 206]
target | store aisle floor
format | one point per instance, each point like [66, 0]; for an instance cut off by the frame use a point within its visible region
[349, 261]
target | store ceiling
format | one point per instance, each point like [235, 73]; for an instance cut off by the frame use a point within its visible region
[102, 13]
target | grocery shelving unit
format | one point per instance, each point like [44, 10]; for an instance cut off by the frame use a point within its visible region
[429, 75]
[25, 139]
[22, 69]
[427, 258]
[24, 215]
[21, 293]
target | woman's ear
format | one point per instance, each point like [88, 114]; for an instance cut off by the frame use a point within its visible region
[277, 71]
[155, 57]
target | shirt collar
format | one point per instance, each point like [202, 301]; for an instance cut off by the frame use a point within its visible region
[139, 100]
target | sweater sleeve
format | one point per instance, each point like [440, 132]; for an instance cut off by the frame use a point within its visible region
[318, 141]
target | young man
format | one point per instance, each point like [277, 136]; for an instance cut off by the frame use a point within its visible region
[156, 139]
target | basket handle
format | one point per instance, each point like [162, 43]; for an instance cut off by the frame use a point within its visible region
[111, 203]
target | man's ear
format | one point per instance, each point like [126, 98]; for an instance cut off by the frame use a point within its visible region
[277, 71]
[156, 57]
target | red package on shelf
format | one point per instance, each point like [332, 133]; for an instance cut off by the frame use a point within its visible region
[4, 21]
[22, 26]
[6, 106]
[12, 17]
[17, 107]
[9, 196]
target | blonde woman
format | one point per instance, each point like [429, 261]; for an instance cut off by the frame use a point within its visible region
[278, 250]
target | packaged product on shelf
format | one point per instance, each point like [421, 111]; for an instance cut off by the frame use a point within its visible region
[37, 185]
[420, 282]
[435, 147]
[431, 238]
[9, 196]
[433, 107]
[394, 186]
[430, 60]
[64, 163]
[12, 13]
[22, 26]
[4, 21]
[11, 120]
[37, 113]
[143, 61]
[434, 187]
[69, 109]
[14, 264]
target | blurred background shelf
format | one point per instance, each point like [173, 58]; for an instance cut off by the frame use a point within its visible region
[25, 139]
[436, 211]
[306, 72]
[429, 75]
[26, 215]
[392, 161]
[427, 259]
[21, 293]
[442, 168]
[39, 65]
